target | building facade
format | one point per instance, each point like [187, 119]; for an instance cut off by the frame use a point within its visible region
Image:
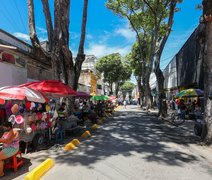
[17, 65]
[185, 70]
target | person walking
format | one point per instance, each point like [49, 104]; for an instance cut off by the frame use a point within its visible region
[125, 104]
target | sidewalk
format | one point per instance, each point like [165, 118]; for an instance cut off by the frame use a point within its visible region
[186, 129]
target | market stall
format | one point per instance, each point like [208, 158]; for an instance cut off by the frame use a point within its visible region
[24, 110]
[56, 89]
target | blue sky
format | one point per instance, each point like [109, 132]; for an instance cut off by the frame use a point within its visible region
[106, 32]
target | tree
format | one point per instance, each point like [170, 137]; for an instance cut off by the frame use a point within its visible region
[164, 30]
[137, 14]
[207, 59]
[114, 69]
[64, 67]
[150, 19]
[136, 60]
[127, 87]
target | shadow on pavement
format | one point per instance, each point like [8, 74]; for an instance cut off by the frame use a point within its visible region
[128, 133]
[10, 174]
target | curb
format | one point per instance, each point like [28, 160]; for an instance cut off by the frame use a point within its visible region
[86, 134]
[95, 126]
[76, 142]
[69, 146]
[40, 170]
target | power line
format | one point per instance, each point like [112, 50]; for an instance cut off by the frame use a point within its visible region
[7, 17]
[167, 58]
[189, 62]
[7, 13]
[20, 16]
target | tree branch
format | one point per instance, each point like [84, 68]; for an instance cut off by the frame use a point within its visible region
[32, 32]
[170, 23]
[83, 30]
[39, 52]
[148, 4]
[49, 25]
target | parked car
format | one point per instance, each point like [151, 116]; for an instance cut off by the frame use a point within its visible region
[133, 102]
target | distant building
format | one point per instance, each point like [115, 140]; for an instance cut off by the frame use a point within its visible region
[89, 63]
[90, 80]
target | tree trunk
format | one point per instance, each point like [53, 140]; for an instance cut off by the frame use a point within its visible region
[207, 15]
[38, 51]
[158, 72]
[49, 25]
[117, 89]
[140, 91]
[63, 67]
[162, 96]
[148, 100]
[111, 88]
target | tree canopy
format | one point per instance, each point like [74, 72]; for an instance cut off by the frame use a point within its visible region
[128, 86]
[113, 68]
[150, 20]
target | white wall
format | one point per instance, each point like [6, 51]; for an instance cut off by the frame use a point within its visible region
[152, 81]
[12, 75]
[170, 75]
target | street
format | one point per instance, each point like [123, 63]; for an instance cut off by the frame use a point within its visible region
[131, 145]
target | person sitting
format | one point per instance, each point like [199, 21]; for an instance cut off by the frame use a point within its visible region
[62, 111]
[85, 111]
[10, 140]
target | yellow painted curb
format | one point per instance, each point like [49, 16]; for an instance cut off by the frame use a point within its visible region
[39, 171]
[95, 126]
[86, 134]
[100, 122]
[103, 118]
[75, 142]
[69, 146]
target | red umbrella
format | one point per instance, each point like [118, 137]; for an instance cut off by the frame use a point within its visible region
[21, 93]
[83, 95]
[2, 101]
[112, 97]
[52, 88]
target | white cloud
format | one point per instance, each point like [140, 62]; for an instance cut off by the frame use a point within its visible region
[89, 36]
[105, 36]
[126, 33]
[73, 35]
[22, 36]
[41, 30]
[100, 50]
[103, 44]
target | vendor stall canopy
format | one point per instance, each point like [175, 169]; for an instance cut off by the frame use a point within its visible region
[83, 95]
[101, 97]
[112, 97]
[51, 88]
[2, 101]
[21, 93]
[190, 93]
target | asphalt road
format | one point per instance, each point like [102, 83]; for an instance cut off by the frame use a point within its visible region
[131, 145]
